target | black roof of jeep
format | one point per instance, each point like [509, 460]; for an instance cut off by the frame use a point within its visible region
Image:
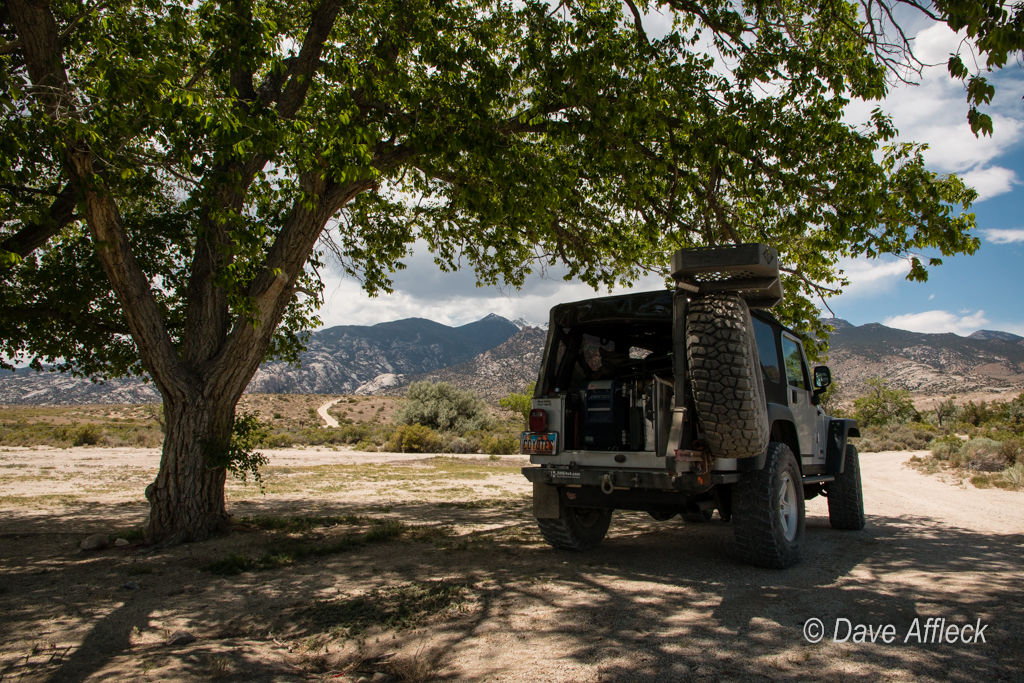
[629, 309]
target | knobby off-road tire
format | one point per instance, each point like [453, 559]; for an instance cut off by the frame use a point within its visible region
[725, 374]
[576, 528]
[845, 496]
[768, 511]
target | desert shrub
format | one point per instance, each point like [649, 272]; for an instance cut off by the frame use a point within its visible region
[443, 407]
[500, 444]
[367, 446]
[884, 406]
[908, 437]
[278, 440]
[982, 454]
[1012, 452]
[414, 438]
[1014, 476]
[946, 449]
[86, 435]
[982, 481]
[457, 444]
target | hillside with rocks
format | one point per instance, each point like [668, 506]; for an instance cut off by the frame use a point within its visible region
[495, 373]
[494, 357]
[338, 360]
[985, 363]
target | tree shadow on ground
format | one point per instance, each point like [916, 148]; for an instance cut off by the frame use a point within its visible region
[656, 602]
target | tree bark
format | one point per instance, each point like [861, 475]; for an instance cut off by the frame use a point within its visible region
[187, 497]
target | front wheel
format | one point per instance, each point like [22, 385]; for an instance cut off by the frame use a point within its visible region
[768, 511]
[845, 495]
[576, 528]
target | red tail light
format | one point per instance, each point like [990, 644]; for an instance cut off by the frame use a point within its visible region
[538, 420]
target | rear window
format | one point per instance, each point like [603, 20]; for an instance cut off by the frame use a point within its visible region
[768, 350]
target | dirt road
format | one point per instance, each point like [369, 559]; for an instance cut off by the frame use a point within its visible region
[470, 593]
[325, 416]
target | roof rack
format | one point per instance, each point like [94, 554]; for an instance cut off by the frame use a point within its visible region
[750, 270]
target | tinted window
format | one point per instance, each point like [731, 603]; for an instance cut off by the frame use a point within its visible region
[768, 350]
[794, 363]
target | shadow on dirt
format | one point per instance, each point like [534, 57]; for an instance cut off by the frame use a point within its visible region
[657, 601]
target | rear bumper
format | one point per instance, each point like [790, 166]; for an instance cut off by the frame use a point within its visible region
[629, 480]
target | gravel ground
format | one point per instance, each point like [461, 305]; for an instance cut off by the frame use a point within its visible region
[470, 593]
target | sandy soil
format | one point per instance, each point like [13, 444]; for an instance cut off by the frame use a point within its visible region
[656, 602]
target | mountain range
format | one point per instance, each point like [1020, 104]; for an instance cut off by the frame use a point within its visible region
[495, 356]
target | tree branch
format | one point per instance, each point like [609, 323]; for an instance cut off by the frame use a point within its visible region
[638, 23]
[34, 235]
[306, 64]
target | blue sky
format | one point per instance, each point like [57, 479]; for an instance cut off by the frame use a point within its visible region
[967, 293]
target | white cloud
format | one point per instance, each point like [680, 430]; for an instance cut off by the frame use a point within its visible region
[870, 277]
[938, 321]
[991, 181]
[934, 44]
[1004, 236]
[346, 304]
[954, 148]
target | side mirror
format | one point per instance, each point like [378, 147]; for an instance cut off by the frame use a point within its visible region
[822, 378]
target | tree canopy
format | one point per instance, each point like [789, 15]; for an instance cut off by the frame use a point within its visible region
[173, 175]
[502, 134]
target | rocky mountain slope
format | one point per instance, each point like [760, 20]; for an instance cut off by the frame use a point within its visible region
[925, 364]
[338, 360]
[495, 357]
[342, 359]
[495, 373]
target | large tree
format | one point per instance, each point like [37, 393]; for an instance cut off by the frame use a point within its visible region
[172, 174]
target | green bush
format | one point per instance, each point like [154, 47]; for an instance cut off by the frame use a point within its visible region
[501, 444]
[414, 438]
[86, 435]
[520, 403]
[946, 449]
[884, 406]
[280, 440]
[908, 437]
[443, 407]
[1014, 476]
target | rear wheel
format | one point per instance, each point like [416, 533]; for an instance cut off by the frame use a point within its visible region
[845, 496]
[576, 528]
[768, 511]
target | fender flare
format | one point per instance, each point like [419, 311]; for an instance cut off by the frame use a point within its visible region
[839, 432]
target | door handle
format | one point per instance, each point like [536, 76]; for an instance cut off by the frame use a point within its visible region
[795, 396]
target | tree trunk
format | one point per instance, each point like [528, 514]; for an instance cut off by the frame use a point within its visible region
[187, 498]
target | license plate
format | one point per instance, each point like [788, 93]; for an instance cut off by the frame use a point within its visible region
[538, 444]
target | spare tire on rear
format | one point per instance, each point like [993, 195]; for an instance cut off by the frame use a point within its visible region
[725, 375]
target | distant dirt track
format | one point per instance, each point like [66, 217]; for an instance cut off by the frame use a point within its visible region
[322, 412]
[656, 602]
